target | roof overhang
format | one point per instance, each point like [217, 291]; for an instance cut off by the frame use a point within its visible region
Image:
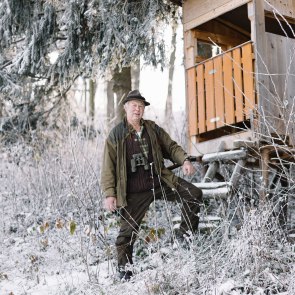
[177, 2]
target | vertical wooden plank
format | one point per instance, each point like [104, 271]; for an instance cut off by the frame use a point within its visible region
[281, 67]
[277, 67]
[290, 88]
[192, 101]
[218, 91]
[209, 88]
[248, 70]
[190, 48]
[201, 99]
[228, 89]
[238, 84]
[256, 15]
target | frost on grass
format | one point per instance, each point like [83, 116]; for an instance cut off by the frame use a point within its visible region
[57, 239]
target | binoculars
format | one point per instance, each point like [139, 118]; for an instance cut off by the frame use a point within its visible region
[139, 160]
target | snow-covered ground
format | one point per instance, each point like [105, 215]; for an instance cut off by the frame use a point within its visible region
[56, 238]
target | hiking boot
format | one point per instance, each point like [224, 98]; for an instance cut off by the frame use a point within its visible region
[183, 240]
[124, 274]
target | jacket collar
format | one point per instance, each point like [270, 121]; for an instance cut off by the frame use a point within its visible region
[128, 127]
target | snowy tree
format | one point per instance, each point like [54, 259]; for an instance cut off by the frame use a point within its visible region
[50, 43]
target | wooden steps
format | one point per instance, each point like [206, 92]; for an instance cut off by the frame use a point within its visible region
[218, 192]
[221, 189]
[214, 189]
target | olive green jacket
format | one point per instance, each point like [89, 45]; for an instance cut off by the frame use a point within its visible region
[114, 173]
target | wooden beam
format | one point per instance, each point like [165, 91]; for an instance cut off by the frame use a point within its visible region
[219, 39]
[199, 12]
[270, 14]
[234, 27]
[189, 49]
[198, 148]
[286, 8]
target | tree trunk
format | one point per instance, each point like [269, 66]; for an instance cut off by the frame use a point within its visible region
[91, 99]
[1, 107]
[110, 100]
[85, 95]
[135, 75]
[121, 87]
[168, 109]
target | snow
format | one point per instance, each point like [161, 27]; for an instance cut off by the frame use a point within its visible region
[41, 196]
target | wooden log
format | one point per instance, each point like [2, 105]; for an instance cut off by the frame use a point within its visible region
[210, 173]
[212, 185]
[210, 218]
[213, 166]
[221, 192]
[244, 143]
[225, 156]
[237, 172]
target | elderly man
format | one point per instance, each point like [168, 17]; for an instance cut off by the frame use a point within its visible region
[133, 175]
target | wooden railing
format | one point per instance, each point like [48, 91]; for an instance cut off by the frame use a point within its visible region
[221, 90]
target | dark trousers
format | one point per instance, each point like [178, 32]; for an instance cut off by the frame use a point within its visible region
[137, 205]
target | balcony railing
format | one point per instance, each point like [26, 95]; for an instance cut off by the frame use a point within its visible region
[221, 90]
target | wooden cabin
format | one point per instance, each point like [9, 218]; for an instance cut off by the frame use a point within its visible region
[240, 72]
[240, 92]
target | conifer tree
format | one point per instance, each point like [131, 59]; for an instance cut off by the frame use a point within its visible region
[89, 37]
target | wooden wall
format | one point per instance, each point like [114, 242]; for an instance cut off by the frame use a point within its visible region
[284, 7]
[279, 105]
[274, 71]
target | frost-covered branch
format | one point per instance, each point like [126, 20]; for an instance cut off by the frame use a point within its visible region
[88, 36]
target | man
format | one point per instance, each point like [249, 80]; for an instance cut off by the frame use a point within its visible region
[133, 175]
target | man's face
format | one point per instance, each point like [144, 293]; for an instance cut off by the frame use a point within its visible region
[134, 110]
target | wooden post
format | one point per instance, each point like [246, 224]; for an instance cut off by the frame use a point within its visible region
[257, 18]
[191, 90]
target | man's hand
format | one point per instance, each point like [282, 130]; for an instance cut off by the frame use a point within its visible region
[188, 168]
[111, 204]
